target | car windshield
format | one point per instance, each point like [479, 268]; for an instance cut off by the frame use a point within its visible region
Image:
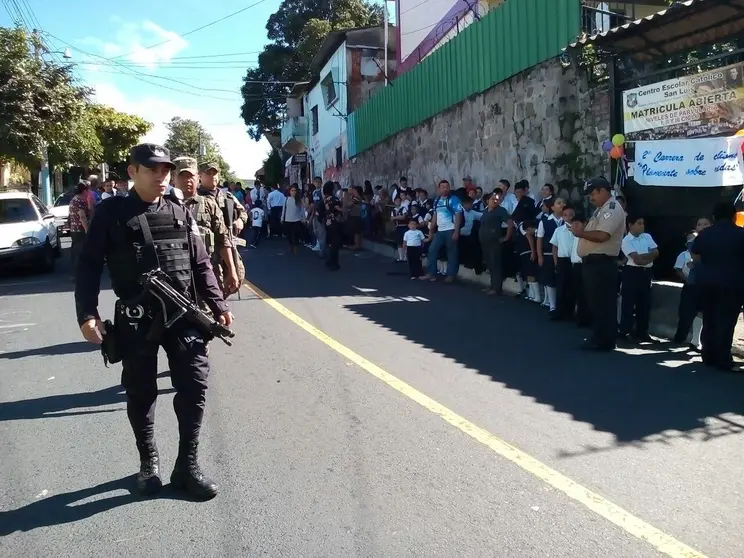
[64, 199]
[17, 211]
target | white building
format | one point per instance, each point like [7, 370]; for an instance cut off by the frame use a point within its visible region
[347, 69]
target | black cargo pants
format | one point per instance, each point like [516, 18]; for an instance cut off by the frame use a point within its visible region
[186, 350]
[599, 274]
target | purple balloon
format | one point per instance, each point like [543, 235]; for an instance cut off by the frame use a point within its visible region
[607, 146]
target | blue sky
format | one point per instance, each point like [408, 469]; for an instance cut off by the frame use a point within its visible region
[123, 30]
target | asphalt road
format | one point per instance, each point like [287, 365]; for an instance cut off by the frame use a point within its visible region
[318, 456]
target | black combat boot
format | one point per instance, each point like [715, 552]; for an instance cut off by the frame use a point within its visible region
[187, 475]
[148, 478]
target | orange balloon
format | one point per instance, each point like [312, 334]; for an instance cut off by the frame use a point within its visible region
[616, 152]
[740, 219]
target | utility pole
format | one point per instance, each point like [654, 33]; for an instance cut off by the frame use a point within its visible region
[45, 189]
[385, 23]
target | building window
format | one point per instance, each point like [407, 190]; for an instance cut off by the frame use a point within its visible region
[329, 89]
[314, 118]
[339, 157]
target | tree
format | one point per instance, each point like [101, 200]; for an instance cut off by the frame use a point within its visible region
[39, 100]
[41, 103]
[99, 135]
[274, 168]
[117, 131]
[296, 29]
[184, 138]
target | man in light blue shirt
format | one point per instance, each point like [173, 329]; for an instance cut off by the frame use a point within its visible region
[444, 231]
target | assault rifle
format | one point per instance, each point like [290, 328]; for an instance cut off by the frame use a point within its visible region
[175, 306]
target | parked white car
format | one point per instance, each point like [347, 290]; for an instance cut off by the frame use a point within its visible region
[61, 211]
[28, 233]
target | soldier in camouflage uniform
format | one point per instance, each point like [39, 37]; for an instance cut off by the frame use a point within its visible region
[233, 214]
[217, 239]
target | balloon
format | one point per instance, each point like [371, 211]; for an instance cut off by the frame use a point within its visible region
[739, 133]
[616, 152]
[606, 146]
[618, 140]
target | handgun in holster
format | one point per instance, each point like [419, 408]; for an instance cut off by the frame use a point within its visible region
[111, 348]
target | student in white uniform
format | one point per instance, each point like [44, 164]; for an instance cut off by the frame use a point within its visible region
[641, 251]
[689, 312]
[413, 240]
[545, 230]
[257, 219]
[563, 242]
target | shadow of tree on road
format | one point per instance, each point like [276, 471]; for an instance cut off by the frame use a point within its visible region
[65, 404]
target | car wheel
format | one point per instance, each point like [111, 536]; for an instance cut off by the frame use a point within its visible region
[48, 259]
[58, 248]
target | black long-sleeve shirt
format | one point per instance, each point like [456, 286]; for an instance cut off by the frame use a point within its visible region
[104, 238]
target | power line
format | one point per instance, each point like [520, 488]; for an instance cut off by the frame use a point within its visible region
[186, 64]
[133, 73]
[197, 29]
[216, 55]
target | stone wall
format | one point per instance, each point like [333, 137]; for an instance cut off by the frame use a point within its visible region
[544, 124]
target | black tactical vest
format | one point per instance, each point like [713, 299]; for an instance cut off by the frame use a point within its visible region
[158, 240]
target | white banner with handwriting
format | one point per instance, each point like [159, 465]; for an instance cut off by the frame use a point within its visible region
[706, 162]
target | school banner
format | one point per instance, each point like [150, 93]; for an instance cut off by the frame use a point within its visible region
[696, 162]
[701, 105]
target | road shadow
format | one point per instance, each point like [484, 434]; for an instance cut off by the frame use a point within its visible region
[631, 396]
[72, 348]
[63, 508]
[27, 281]
[60, 509]
[68, 404]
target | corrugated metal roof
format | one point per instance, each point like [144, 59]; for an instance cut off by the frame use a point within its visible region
[682, 26]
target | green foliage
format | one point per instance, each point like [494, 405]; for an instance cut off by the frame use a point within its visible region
[117, 131]
[99, 134]
[274, 168]
[184, 138]
[41, 103]
[296, 29]
[39, 100]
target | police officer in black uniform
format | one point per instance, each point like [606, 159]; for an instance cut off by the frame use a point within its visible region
[136, 234]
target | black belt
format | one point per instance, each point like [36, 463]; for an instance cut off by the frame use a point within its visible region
[598, 258]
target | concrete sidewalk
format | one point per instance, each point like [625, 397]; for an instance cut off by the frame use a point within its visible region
[664, 298]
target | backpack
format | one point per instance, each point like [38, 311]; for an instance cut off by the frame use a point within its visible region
[446, 204]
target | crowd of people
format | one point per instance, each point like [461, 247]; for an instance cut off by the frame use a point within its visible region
[507, 232]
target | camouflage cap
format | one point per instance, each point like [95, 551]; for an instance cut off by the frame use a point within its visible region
[185, 164]
[204, 167]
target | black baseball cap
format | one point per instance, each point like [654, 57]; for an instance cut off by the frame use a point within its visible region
[150, 155]
[596, 184]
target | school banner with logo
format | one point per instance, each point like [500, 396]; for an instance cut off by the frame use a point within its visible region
[697, 162]
[700, 105]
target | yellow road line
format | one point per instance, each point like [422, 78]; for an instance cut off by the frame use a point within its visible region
[601, 506]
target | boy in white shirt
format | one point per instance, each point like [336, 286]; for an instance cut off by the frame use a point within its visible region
[413, 241]
[562, 243]
[641, 251]
[689, 299]
[257, 219]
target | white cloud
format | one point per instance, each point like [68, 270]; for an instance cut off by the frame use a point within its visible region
[244, 155]
[133, 39]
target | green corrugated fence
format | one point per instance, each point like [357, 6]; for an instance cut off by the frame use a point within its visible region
[513, 37]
